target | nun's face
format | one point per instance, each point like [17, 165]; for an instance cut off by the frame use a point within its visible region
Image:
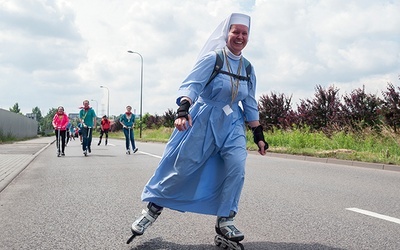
[237, 38]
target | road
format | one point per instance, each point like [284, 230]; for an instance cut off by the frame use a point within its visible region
[77, 202]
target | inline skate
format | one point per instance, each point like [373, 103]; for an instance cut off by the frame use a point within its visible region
[228, 236]
[145, 220]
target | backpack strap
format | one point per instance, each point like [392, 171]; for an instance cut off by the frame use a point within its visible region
[247, 64]
[219, 63]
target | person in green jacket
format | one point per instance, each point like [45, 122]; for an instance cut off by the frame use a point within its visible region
[87, 118]
[127, 120]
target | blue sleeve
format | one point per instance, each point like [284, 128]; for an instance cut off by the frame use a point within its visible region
[250, 105]
[197, 78]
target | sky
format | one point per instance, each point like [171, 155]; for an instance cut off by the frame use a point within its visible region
[59, 52]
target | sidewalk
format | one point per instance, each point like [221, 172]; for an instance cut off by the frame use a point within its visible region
[15, 157]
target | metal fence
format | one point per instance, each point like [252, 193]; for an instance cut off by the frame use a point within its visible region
[17, 125]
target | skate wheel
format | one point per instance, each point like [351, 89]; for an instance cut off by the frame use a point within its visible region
[220, 242]
[217, 240]
[223, 243]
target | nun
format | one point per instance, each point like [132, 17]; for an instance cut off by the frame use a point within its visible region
[202, 169]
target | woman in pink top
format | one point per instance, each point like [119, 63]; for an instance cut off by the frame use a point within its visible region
[60, 122]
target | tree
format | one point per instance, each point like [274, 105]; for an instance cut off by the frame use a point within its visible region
[46, 123]
[169, 118]
[391, 106]
[274, 110]
[154, 121]
[323, 111]
[16, 109]
[38, 114]
[361, 110]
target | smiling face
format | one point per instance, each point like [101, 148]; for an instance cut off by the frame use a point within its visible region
[237, 38]
[60, 110]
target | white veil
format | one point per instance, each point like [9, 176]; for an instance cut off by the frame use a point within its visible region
[219, 37]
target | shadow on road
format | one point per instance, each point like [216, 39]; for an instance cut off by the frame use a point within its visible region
[159, 243]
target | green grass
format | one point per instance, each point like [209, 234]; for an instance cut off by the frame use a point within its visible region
[154, 135]
[5, 138]
[369, 146]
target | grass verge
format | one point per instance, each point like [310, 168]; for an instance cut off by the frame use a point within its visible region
[368, 146]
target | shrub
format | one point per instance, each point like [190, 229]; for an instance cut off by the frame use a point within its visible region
[391, 106]
[361, 110]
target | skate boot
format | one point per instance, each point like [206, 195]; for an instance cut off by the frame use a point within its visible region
[145, 220]
[106, 142]
[98, 144]
[228, 236]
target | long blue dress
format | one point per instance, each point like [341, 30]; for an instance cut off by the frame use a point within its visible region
[202, 169]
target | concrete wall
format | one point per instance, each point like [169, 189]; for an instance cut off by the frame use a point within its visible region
[17, 125]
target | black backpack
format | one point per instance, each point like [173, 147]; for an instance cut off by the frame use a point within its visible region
[219, 63]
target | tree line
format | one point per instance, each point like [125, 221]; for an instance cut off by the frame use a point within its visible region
[327, 111]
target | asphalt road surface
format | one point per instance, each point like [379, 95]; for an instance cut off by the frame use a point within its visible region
[77, 202]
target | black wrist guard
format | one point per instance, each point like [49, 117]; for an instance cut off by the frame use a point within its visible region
[183, 110]
[258, 135]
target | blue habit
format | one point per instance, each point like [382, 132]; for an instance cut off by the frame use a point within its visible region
[202, 169]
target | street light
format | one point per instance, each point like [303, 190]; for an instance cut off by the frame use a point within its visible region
[97, 106]
[108, 100]
[141, 90]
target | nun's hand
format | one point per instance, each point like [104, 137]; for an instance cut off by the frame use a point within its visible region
[181, 123]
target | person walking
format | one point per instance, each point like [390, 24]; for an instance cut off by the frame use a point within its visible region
[87, 118]
[67, 133]
[104, 127]
[79, 130]
[127, 120]
[60, 122]
[72, 132]
[203, 165]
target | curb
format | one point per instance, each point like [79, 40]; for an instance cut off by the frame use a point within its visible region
[380, 166]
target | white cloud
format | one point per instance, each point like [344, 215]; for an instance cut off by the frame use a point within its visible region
[60, 52]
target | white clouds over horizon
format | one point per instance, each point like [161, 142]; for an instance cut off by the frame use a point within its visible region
[60, 52]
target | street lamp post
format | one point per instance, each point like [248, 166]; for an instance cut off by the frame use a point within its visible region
[97, 106]
[108, 100]
[141, 90]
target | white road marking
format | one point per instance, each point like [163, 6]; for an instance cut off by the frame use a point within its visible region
[156, 156]
[376, 215]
